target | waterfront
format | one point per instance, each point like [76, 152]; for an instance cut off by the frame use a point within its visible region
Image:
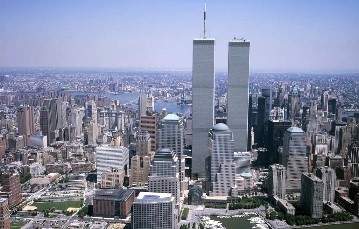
[131, 99]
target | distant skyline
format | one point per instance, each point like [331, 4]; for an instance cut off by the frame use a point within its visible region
[286, 36]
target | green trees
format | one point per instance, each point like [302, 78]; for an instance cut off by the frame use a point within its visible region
[184, 213]
[245, 203]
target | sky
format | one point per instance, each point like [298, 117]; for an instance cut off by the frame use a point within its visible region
[286, 36]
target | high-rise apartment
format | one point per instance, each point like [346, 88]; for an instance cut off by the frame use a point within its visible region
[4, 214]
[11, 188]
[202, 101]
[294, 157]
[237, 97]
[276, 181]
[221, 160]
[311, 196]
[154, 210]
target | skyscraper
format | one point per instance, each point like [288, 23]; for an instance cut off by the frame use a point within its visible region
[294, 157]
[327, 175]
[154, 210]
[141, 162]
[25, 122]
[237, 97]
[276, 181]
[171, 136]
[164, 176]
[311, 196]
[202, 101]
[109, 158]
[222, 167]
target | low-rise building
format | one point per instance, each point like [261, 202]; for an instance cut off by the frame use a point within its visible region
[113, 202]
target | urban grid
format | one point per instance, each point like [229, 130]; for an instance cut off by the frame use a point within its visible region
[179, 149]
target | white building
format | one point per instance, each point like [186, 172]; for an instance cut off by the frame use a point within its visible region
[327, 175]
[222, 166]
[237, 97]
[164, 176]
[109, 158]
[202, 100]
[153, 211]
[171, 136]
[276, 181]
[36, 169]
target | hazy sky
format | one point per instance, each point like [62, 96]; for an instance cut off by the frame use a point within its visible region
[285, 35]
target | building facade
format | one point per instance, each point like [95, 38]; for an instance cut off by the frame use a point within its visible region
[237, 97]
[4, 214]
[221, 160]
[294, 157]
[327, 175]
[153, 211]
[203, 66]
[276, 181]
[311, 198]
[109, 158]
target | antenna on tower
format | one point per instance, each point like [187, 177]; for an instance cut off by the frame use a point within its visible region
[204, 21]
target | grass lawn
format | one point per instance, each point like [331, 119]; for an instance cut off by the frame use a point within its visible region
[41, 206]
[17, 225]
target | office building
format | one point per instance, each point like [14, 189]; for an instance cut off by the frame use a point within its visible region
[311, 197]
[327, 175]
[222, 168]
[276, 181]
[354, 159]
[109, 158]
[112, 179]
[164, 176]
[276, 130]
[149, 123]
[237, 97]
[294, 157]
[171, 136]
[4, 214]
[110, 203]
[146, 104]
[141, 162]
[153, 211]
[25, 122]
[202, 102]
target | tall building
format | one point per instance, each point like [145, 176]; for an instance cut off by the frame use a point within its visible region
[164, 176]
[237, 97]
[11, 188]
[149, 123]
[311, 197]
[202, 101]
[109, 158]
[221, 160]
[276, 130]
[171, 136]
[91, 110]
[276, 181]
[141, 162]
[25, 122]
[153, 211]
[4, 214]
[327, 175]
[294, 157]
[146, 103]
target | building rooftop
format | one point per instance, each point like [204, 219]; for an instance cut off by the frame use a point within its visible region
[153, 197]
[118, 194]
[171, 117]
[220, 127]
[294, 129]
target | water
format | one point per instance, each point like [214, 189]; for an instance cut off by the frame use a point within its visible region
[132, 98]
[243, 223]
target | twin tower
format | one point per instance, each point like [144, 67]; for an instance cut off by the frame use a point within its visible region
[203, 89]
